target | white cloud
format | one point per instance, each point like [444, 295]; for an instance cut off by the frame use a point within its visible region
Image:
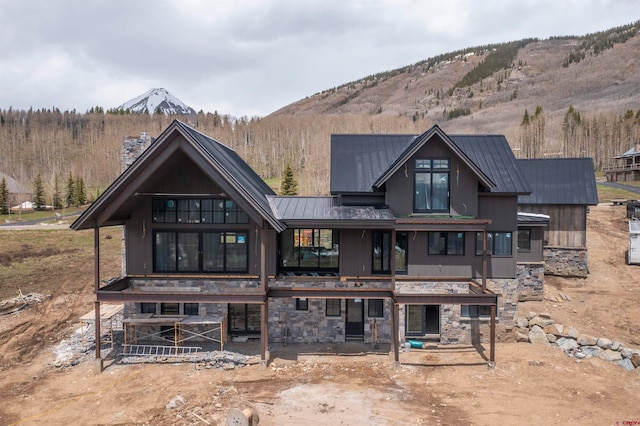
[251, 57]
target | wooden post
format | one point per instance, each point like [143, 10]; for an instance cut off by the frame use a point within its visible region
[395, 323]
[96, 266]
[484, 260]
[392, 260]
[264, 334]
[492, 354]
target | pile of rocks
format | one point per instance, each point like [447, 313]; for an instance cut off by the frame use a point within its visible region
[541, 329]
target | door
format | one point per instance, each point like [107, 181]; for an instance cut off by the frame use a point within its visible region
[244, 319]
[354, 323]
[422, 320]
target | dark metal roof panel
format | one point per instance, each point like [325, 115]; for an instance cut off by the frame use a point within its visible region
[493, 155]
[325, 209]
[358, 160]
[568, 181]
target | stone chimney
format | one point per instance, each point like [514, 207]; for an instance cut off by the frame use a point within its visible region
[133, 146]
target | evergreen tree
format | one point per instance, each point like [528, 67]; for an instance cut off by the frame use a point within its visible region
[71, 191]
[38, 193]
[289, 184]
[81, 194]
[4, 197]
[57, 199]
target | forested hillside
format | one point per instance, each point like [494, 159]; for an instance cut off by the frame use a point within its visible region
[566, 96]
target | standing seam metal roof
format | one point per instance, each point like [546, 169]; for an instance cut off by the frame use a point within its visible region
[560, 181]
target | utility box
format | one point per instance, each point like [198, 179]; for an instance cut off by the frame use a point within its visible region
[633, 255]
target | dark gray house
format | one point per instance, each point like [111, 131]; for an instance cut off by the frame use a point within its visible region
[418, 240]
[563, 189]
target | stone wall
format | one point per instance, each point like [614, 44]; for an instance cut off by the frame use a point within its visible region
[566, 261]
[539, 328]
[530, 278]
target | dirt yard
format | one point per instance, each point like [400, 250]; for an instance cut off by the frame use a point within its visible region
[314, 385]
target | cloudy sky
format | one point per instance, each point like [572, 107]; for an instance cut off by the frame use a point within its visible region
[251, 57]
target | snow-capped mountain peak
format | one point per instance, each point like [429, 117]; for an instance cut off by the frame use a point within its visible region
[157, 100]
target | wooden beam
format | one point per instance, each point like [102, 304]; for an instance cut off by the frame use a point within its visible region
[264, 334]
[395, 325]
[492, 354]
[96, 273]
[484, 260]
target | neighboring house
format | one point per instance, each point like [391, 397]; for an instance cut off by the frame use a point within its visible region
[626, 167]
[17, 193]
[418, 240]
[563, 189]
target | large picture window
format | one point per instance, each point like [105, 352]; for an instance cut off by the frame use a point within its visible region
[446, 243]
[431, 185]
[498, 243]
[382, 252]
[200, 251]
[309, 250]
[196, 210]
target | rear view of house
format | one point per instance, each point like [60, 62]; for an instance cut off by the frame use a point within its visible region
[418, 240]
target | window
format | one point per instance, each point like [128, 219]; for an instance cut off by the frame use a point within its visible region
[169, 309]
[333, 307]
[376, 308]
[381, 252]
[191, 309]
[475, 311]
[524, 240]
[200, 251]
[446, 243]
[498, 243]
[431, 185]
[302, 304]
[194, 210]
[309, 249]
[147, 308]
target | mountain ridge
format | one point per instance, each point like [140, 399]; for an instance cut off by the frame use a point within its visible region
[157, 100]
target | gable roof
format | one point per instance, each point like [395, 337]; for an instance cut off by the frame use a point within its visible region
[214, 158]
[362, 163]
[632, 152]
[567, 181]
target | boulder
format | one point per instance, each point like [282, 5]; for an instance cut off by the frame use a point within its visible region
[551, 338]
[591, 351]
[626, 352]
[609, 355]
[521, 337]
[567, 344]
[531, 314]
[542, 322]
[522, 323]
[570, 332]
[555, 329]
[536, 335]
[586, 340]
[544, 315]
[635, 359]
[616, 346]
[604, 343]
[626, 364]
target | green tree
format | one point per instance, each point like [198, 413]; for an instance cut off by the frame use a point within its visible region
[4, 197]
[57, 198]
[70, 198]
[38, 193]
[289, 184]
[81, 193]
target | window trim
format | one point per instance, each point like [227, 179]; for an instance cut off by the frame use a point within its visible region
[446, 243]
[431, 170]
[374, 306]
[388, 249]
[529, 231]
[327, 308]
[478, 314]
[201, 254]
[158, 206]
[491, 243]
[302, 304]
[297, 250]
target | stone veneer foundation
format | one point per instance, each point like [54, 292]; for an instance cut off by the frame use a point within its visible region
[566, 261]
